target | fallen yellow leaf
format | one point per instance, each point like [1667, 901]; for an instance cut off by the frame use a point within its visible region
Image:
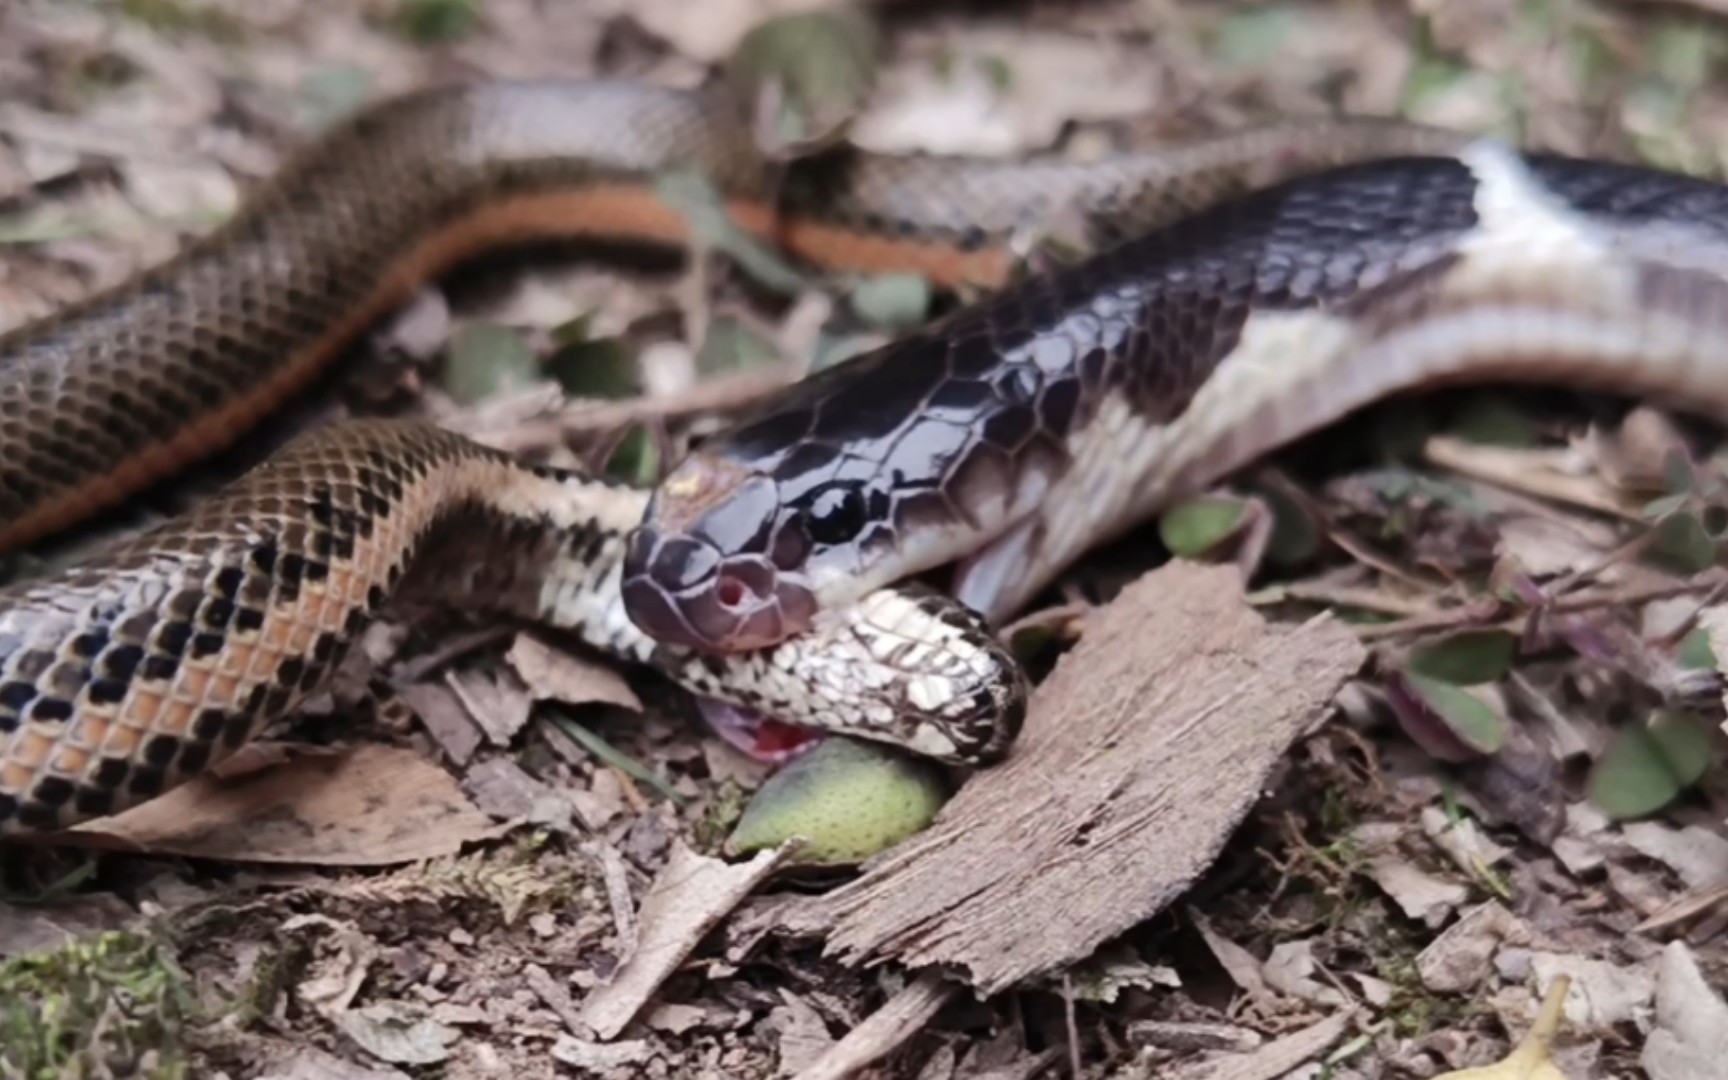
[1530, 1061]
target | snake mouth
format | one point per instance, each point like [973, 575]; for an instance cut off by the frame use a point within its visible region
[681, 591]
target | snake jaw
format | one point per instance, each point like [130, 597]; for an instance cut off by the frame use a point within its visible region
[716, 566]
[743, 605]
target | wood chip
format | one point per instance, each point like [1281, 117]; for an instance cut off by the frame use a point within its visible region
[552, 673]
[1141, 754]
[1277, 1058]
[691, 895]
[445, 718]
[556, 998]
[499, 704]
[887, 1029]
[617, 878]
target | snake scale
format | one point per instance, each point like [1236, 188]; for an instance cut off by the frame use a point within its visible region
[1009, 437]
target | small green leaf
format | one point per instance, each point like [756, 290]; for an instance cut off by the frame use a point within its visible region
[432, 21]
[1682, 52]
[1400, 431]
[1714, 518]
[832, 349]
[1467, 658]
[1683, 543]
[846, 799]
[704, 210]
[1656, 509]
[801, 77]
[998, 72]
[330, 92]
[1446, 720]
[892, 301]
[1198, 526]
[1648, 765]
[1492, 420]
[485, 359]
[1695, 651]
[1678, 474]
[1429, 77]
[1295, 533]
[734, 345]
[1252, 37]
[608, 754]
[592, 367]
[636, 459]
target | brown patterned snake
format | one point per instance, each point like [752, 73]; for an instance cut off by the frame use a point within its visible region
[158, 656]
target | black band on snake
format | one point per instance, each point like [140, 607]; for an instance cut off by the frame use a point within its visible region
[1012, 436]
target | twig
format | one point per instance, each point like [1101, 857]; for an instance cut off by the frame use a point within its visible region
[1486, 609]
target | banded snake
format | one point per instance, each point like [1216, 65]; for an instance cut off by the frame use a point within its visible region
[1009, 437]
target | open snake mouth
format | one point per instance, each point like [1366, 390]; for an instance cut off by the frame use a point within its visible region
[757, 734]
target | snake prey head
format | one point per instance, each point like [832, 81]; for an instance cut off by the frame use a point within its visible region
[731, 559]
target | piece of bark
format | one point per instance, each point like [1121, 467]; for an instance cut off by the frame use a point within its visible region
[1141, 753]
[691, 895]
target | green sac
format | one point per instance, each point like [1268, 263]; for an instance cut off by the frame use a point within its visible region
[1198, 526]
[844, 800]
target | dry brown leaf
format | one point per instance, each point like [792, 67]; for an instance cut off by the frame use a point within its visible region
[1140, 754]
[311, 1063]
[1237, 962]
[1001, 88]
[802, 1033]
[504, 790]
[339, 965]
[1690, 1038]
[553, 674]
[707, 31]
[373, 806]
[691, 895]
[1462, 957]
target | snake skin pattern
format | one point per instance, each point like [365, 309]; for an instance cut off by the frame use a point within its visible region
[1062, 412]
[154, 659]
[148, 664]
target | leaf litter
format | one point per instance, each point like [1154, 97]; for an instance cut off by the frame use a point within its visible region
[1411, 910]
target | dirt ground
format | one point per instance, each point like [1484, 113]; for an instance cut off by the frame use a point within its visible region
[1492, 770]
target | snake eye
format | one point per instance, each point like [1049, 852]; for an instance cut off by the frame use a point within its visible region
[835, 514]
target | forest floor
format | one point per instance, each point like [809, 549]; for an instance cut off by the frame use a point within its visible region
[517, 865]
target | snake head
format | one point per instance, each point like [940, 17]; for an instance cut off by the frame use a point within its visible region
[730, 559]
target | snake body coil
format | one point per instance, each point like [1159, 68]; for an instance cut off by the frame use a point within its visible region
[1013, 436]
